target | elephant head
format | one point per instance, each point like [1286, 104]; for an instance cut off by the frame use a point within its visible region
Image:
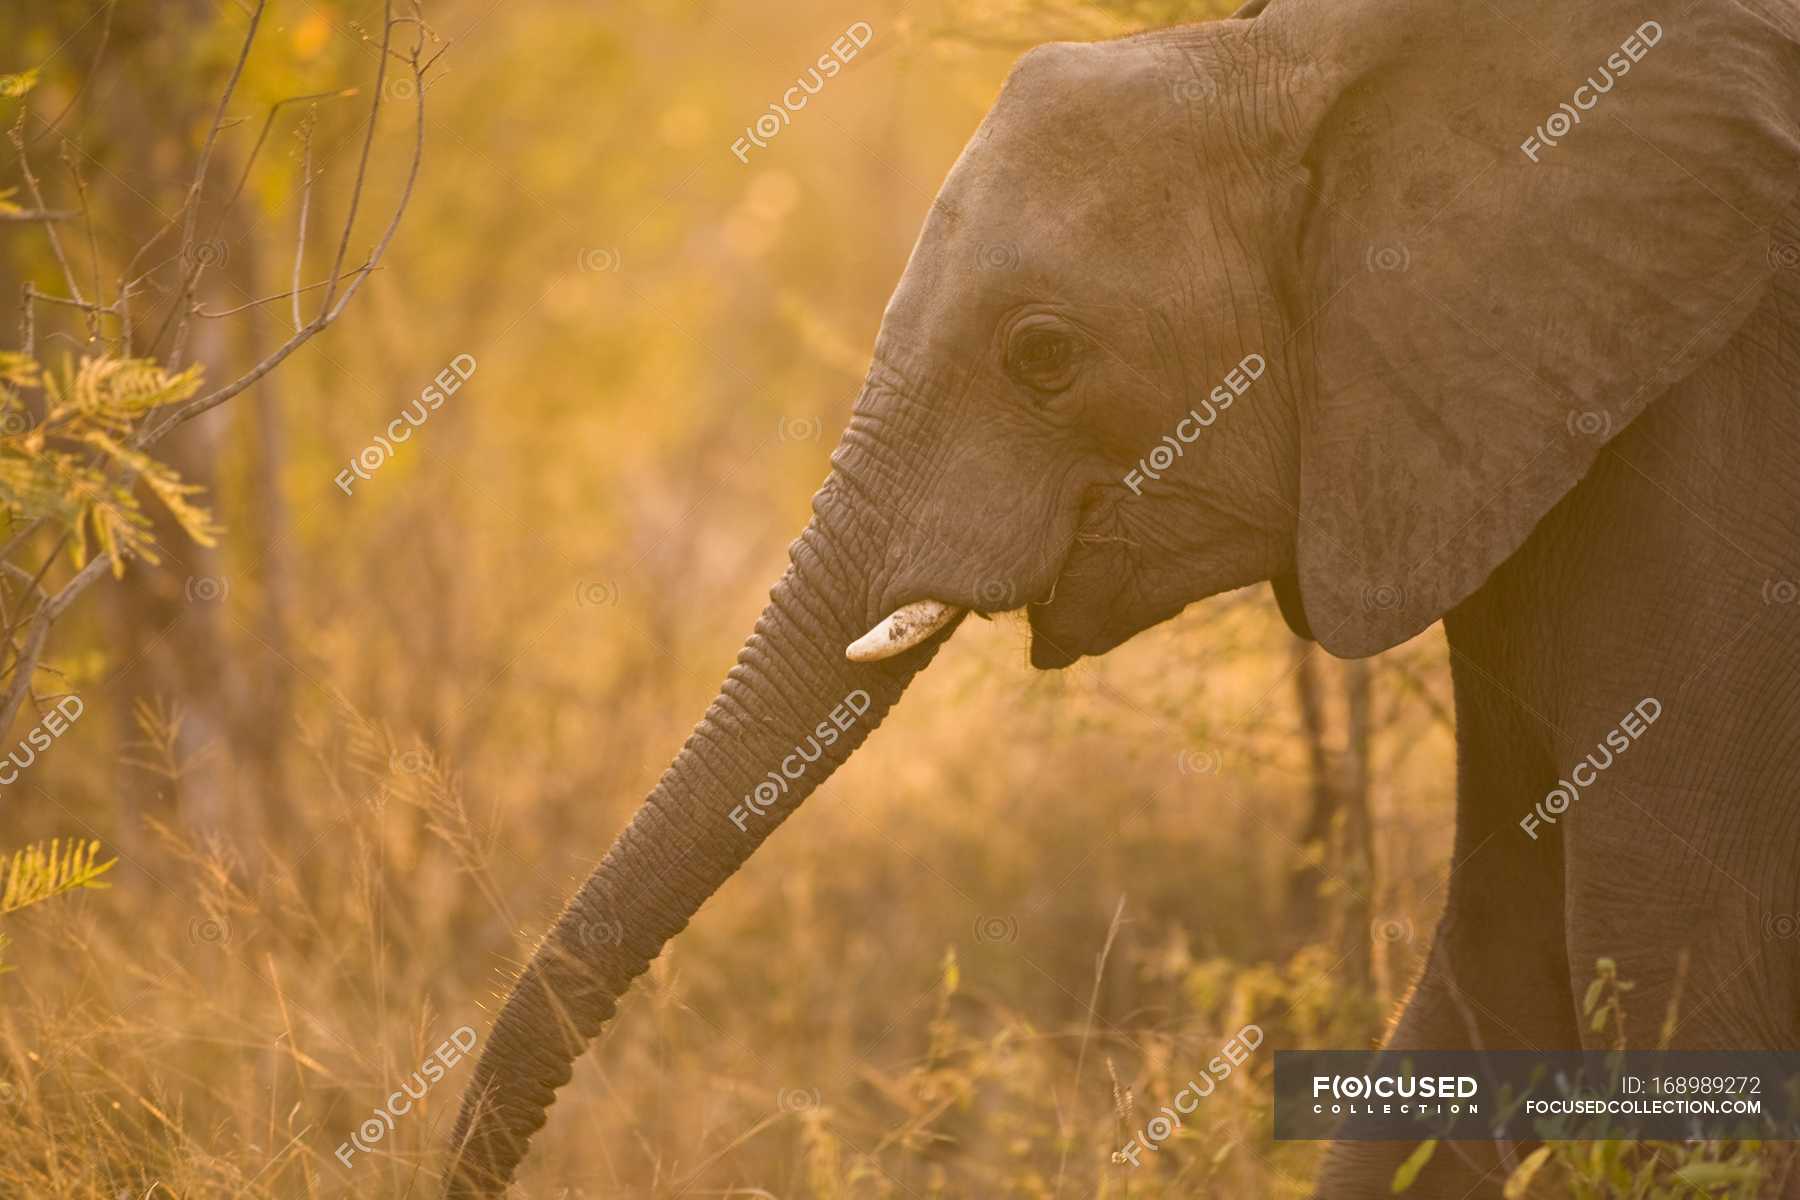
[1313, 297]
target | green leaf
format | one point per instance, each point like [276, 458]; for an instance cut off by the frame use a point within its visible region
[1593, 995]
[1519, 1182]
[1706, 1175]
[1415, 1162]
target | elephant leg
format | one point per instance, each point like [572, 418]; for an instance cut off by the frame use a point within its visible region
[1699, 917]
[1497, 977]
[1689, 914]
[1459, 1003]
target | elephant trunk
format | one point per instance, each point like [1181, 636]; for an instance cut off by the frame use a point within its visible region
[788, 714]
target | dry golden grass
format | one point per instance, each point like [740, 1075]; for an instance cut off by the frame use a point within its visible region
[893, 999]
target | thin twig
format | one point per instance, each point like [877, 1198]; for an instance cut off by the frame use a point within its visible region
[50, 608]
[306, 181]
[37, 198]
[294, 292]
[362, 162]
[87, 221]
[37, 214]
[87, 306]
[93, 71]
[326, 315]
[192, 206]
[20, 538]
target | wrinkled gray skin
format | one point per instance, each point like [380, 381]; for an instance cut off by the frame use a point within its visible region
[1551, 403]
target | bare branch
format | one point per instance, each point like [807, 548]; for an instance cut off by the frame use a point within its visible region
[362, 162]
[87, 306]
[18, 675]
[329, 312]
[20, 538]
[87, 221]
[191, 207]
[306, 181]
[24, 665]
[93, 72]
[37, 198]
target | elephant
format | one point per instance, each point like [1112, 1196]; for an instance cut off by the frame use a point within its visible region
[1486, 314]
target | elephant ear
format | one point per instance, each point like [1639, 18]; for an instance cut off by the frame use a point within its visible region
[1522, 223]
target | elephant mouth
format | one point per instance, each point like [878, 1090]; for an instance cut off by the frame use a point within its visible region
[1078, 616]
[1075, 620]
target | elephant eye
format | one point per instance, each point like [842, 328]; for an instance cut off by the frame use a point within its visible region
[1042, 358]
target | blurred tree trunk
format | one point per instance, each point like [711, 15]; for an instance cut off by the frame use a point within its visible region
[1359, 834]
[1308, 875]
[1336, 838]
[266, 716]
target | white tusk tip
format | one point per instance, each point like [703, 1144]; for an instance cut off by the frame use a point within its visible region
[901, 630]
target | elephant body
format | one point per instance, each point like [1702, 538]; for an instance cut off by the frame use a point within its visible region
[1521, 281]
[1679, 862]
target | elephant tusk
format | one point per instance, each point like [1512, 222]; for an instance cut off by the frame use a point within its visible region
[901, 630]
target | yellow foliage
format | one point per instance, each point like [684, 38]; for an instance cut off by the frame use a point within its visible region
[42, 871]
[73, 464]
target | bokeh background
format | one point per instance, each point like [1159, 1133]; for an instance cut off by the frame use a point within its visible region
[352, 758]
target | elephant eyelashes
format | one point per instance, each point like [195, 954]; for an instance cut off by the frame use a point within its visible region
[1042, 357]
